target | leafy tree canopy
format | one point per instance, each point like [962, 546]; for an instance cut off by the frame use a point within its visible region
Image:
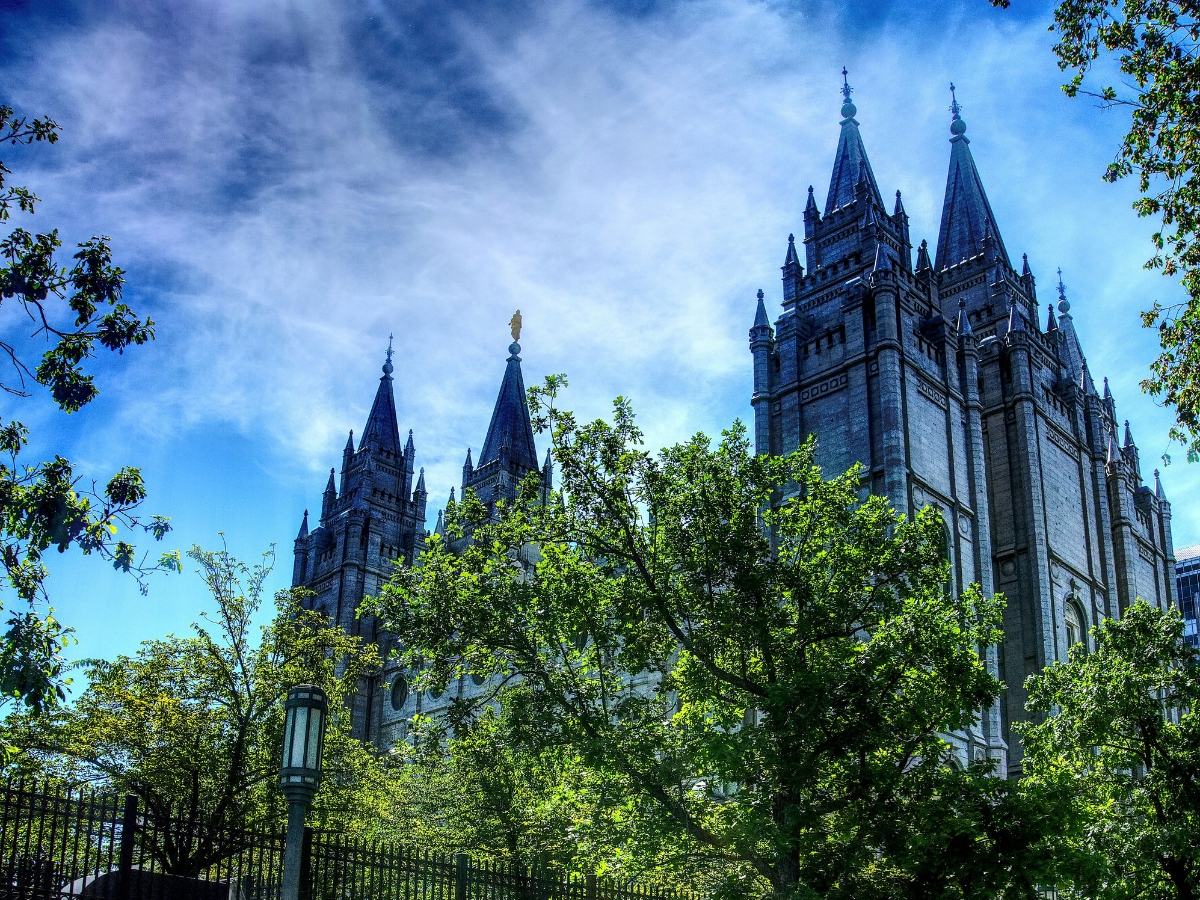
[194, 725]
[1121, 736]
[759, 662]
[75, 311]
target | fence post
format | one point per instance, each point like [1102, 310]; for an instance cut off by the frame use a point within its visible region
[591, 887]
[128, 837]
[460, 876]
[306, 864]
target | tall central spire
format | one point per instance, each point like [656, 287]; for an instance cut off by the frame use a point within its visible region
[967, 217]
[382, 432]
[510, 430]
[850, 164]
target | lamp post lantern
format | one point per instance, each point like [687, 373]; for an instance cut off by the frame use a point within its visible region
[305, 711]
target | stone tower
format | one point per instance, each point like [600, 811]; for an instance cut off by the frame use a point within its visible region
[939, 379]
[509, 453]
[372, 518]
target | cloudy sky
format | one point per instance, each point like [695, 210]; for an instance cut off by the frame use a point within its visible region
[288, 183]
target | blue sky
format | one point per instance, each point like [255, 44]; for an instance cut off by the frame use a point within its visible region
[287, 183]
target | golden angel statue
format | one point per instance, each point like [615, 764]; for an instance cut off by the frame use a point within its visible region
[515, 324]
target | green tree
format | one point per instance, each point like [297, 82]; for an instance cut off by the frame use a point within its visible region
[485, 787]
[76, 311]
[1121, 734]
[1151, 45]
[759, 661]
[193, 726]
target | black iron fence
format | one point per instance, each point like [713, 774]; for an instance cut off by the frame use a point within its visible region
[58, 844]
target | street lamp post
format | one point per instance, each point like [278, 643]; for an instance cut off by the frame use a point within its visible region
[305, 710]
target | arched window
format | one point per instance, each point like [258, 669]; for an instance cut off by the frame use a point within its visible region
[1076, 630]
[399, 691]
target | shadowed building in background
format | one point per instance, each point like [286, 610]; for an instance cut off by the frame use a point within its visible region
[374, 519]
[941, 381]
[1187, 581]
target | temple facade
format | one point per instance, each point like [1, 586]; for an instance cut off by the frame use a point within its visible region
[937, 375]
[373, 518]
[940, 379]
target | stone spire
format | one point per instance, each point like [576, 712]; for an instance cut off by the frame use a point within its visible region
[1128, 436]
[966, 214]
[964, 321]
[923, 263]
[760, 315]
[791, 258]
[810, 207]
[304, 525]
[883, 262]
[1016, 318]
[510, 427]
[382, 434]
[850, 163]
[420, 489]
[1158, 488]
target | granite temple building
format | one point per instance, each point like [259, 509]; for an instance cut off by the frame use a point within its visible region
[941, 376]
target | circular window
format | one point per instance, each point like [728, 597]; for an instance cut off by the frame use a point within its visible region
[399, 691]
[476, 679]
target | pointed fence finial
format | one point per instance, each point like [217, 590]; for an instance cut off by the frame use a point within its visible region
[1064, 305]
[848, 108]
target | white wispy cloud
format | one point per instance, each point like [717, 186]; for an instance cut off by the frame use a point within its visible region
[288, 183]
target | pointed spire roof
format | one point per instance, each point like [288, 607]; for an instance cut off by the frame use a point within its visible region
[1158, 488]
[1025, 270]
[810, 208]
[1016, 320]
[421, 483]
[440, 528]
[408, 447]
[1128, 435]
[883, 262]
[923, 264]
[1051, 322]
[1114, 456]
[760, 315]
[330, 486]
[350, 442]
[967, 216]
[1107, 393]
[964, 321]
[510, 427]
[899, 210]
[451, 494]
[791, 252]
[304, 525]
[850, 163]
[382, 432]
